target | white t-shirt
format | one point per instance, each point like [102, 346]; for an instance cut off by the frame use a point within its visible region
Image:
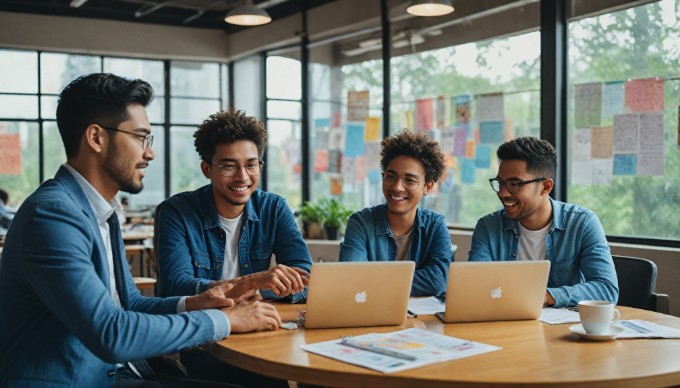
[232, 230]
[532, 243]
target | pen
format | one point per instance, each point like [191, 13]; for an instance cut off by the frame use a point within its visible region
[377, 349]
[411, 313]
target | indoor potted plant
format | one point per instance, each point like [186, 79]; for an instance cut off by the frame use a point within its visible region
[312, 216]
[335, 215]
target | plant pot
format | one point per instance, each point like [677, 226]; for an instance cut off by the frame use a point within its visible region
[331, 232]
[314, 231]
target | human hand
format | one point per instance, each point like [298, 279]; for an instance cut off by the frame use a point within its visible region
[281, 279]
[214, 297]
[252, 316]
[548, 300]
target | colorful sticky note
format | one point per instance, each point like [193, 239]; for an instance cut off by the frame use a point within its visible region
[644, 95]
[625, 164]
[424, 114]
[354, 140]
[492, 132]
[483, 156]
[468, 171]
[372, 132]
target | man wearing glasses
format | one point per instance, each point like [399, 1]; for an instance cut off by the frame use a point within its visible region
[533, 226]
[398, 229]
[227, 231]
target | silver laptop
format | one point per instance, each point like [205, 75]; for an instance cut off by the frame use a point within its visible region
[495, 291]
[355, 294]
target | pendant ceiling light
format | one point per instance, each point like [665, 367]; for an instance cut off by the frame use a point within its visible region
[248, 15]
[430, 7]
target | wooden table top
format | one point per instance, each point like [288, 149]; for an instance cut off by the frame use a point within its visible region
[533, 353]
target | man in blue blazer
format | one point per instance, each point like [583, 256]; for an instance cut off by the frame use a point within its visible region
[71, 315]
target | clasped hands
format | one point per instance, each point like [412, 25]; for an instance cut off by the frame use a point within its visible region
[240, 299]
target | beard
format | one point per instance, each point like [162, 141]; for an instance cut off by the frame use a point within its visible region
[116, 167]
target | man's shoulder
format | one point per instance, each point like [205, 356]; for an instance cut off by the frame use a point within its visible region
[430, 215]
[186, 198]
[264, 199]
[564, 212]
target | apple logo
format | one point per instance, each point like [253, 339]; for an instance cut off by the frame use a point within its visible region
[360, 297]
[496, 293]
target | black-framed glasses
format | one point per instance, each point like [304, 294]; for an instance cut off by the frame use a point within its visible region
[513, 185]
[147, 140]
[230, 168]
[390, 179]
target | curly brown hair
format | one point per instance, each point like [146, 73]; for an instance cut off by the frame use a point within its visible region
[416, 145]
[225, 127]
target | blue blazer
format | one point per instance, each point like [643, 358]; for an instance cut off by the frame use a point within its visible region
[59, 323]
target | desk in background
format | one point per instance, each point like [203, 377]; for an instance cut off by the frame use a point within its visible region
[534, 354]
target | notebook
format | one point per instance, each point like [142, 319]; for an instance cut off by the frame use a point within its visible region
[495, 291]
[355, 294]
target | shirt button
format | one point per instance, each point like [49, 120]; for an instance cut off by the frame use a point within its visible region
[245, 265]
[111, 373]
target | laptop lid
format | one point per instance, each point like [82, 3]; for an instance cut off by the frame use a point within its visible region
[495, 290]
[355, 294]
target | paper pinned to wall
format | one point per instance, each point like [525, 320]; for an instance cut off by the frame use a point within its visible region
[483, 156]
[581, 148]
[443, 111]
[490, 107]
[612, 98]
[424, 114]
[321, 161]
[625, 164]
[468, 171]
[492, 132]
[470, 149]
[336, 138]
[448, 140]
[334, 161]
[372, 156]
[354, 140]
[581, 172]
[650, 155]
[462, 108]
[587, 105]
[626, 133]
[372, 129]
[645, 95]
[601, 142]
[357, 105]
[10, 154]
[459, 141]
[602, 171]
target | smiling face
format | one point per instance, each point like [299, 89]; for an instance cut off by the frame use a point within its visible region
[231, 193]
[126, 160]
[530, 205]
[400, 200]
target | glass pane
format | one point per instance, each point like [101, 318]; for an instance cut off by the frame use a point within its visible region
[18, 107]
[154, 181]
[195, 79]
[54, 155]
[185, 172]
[58, 70]
[283, 110]
[156, 110]
[150, 71]
[224, 69]
[624, 162]
[247, 83]
[19, 70]
[19, 173]
[283, 78]
[283, 161]
[48, 107]
[192, 111]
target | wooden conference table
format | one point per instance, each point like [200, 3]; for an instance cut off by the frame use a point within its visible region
[533, 353]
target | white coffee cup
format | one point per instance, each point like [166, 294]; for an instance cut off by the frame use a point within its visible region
[597, 316]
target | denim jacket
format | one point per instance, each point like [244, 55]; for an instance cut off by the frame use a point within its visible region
[368, 238]
[190, 240]
[581, 265]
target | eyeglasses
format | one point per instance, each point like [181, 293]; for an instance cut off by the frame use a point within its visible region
[231, 169]
[392, 179]
[513, 185]
[147, 140]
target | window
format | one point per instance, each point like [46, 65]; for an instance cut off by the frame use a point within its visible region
[625, 74]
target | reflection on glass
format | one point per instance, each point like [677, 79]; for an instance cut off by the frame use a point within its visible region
[284, 160]
[185, 172]
[23, 67]
[19, 186]
[58, 70]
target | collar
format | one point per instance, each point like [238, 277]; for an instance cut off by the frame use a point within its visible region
[211, 218]
[102, 208]
[557, 219]
[383, 227]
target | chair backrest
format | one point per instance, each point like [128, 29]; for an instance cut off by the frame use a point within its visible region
[637, 281]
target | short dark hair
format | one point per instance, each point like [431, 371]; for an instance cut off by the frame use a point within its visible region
[99, 98]
[416, 145]
[4, 197]
[539, 154]
[226, 127]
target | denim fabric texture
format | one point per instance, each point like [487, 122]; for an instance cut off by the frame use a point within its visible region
[191, 241]
[581, 263]
[368, 238]
[60, 326]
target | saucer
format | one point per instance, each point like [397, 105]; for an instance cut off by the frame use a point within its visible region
[609, 335]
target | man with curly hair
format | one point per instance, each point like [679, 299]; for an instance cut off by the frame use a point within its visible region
[398, 229]
[533, 226]
[228, 230]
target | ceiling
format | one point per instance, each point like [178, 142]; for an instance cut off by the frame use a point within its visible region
[182, 13]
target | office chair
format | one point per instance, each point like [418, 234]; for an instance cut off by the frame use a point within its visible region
[637, 280]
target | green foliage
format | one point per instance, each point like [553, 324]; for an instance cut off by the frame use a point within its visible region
[311, 212]
[329, 212]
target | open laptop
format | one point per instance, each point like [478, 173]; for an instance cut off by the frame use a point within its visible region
[495, 291]
[355, 294]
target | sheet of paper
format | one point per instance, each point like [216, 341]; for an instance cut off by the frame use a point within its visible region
[492, 132]
[651, 153]
[612, 98]
[602, 171]
[554, 316]
[581, 172]
[490, 107]
[372, 129]
[626, 133]
[354, 140]
[483, 156]
[468, 172]
[425, 306]
[625, 164]
[587, 105]
[443, 111]
[357, 105]
[644, 95]
[461, 109]
[581, 149]
[427, 347]
[447, 142]
[601, 142]
[654, 330]
[424, 114]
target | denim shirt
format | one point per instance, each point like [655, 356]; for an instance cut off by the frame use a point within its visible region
[190, 241]
[581, 265]
[368, 238]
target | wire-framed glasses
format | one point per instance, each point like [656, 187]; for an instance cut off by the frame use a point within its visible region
[513, 185]
[390, 179]
[147, 140]
[253, 168]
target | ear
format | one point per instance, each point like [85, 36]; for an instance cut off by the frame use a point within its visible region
[205, 167]
[548, 185]
[95, 138]
[428, 187]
